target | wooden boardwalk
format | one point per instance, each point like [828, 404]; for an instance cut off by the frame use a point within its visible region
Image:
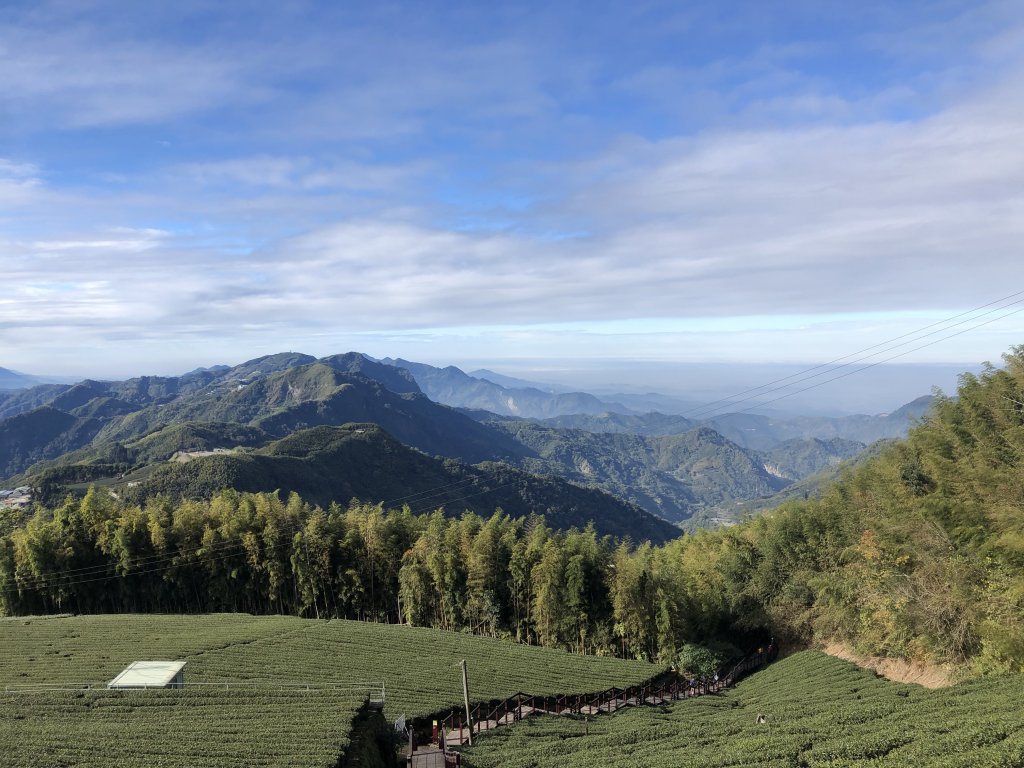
[451, 732]
[434, 756]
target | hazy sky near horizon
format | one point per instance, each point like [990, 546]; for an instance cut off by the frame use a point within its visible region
[189, 183]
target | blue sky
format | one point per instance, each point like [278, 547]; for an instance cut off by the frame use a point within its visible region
[192, 183]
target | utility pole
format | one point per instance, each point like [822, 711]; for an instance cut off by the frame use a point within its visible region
[465, 696]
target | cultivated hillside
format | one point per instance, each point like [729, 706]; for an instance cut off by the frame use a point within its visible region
[806, 710]
[256, 720]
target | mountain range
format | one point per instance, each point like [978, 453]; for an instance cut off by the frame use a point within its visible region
[670, 466]
[453, 387]
[325, 464]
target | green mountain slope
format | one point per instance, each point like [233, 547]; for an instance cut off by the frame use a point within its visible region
[800, 458]
[915, 553]
[674, 476]
[42, 433]
[326, 464]
[275, 395]
[22, 401]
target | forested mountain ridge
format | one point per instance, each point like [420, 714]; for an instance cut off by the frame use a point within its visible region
[318, 394]
[917, 553]
[275, 395]
[675, 475]
[647, 424]
[797, 458]
[361, 461]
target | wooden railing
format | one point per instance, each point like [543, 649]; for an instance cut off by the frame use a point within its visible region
[452, 730]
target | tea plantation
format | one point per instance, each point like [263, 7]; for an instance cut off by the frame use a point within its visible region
[818, 712]
[259, 725]
[201, 727]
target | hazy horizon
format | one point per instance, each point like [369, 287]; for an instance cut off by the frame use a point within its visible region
[832, 390]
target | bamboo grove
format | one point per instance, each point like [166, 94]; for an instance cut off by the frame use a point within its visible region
[918, 553]
[501, 577]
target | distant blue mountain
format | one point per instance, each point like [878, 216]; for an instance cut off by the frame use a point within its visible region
[452, 386]
[14, 380]
[511, 382]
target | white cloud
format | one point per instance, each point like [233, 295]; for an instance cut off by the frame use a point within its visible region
[119, 239]
[18, 182]
[302, 174]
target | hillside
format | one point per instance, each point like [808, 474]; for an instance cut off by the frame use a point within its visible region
[319, 393]
[811, 486]
[806, 710]
[647, 424]
[361, 461]
[257, 723]
[797, 459]
[674, 475]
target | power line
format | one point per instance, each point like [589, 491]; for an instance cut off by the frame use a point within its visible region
[878, 362]
[724, 404]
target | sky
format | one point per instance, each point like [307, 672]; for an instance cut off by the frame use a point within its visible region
[191, 183]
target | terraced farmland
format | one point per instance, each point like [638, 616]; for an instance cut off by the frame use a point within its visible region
[420, 666]
[262, 726]
[819, 712]
[201, 727]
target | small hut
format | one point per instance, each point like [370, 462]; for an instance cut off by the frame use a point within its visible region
[151, 674]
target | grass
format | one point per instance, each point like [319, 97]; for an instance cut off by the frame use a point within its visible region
[264, 726]
[820, 712]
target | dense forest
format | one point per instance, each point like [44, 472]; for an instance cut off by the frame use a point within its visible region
[917, 553]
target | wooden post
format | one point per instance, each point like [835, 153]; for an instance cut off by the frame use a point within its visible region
[465, 695]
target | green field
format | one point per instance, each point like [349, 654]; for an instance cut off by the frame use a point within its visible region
[820, 713]
[261, 726]
[201, 727]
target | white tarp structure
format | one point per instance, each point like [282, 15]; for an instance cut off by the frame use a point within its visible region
[151, 674]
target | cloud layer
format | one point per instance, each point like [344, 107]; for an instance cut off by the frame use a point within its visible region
[327, 178]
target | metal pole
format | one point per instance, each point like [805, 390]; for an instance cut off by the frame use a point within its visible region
[465, 695]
